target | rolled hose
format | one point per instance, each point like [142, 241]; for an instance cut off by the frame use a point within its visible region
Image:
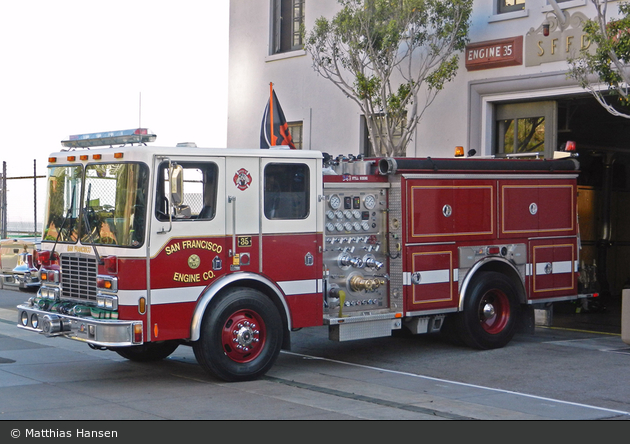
[391, 165]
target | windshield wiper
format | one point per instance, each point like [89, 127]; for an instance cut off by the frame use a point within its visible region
[87, 225]
[63, 223]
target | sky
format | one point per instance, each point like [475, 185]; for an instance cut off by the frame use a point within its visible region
[74, 67]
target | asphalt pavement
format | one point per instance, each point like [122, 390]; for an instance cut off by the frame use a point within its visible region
[56, 379]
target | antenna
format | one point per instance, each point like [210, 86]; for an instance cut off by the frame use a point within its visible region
[140, 111]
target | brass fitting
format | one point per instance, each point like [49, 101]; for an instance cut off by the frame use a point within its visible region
[357, 283]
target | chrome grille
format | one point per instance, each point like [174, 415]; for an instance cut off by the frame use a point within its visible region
[78, 277]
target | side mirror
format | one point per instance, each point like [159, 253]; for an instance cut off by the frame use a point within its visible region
[177, 185]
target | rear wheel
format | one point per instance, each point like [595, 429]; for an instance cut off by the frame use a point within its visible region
[490, 312]
[149, 352]
[241, 335]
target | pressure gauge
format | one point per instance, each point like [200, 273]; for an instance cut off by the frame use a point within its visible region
[369, 201]
[335, 202]
[330, 226]
[339, 226]
[339, 214]
[330, 215]
[348, 214]
[348, 226]
[365, 225]
[357, 226]
[356, 214]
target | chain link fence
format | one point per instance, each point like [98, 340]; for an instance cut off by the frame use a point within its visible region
[22, 200]
[21, 203]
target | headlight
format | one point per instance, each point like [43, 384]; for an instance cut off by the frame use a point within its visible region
[24, 318]
[107, 301]
[49, 293]
[34, 320]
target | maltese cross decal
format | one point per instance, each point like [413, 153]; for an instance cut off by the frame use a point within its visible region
[242, 179]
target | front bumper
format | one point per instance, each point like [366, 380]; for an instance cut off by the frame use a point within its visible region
[20, 280]
[97, 332]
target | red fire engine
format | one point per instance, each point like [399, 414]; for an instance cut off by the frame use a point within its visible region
[229, 250]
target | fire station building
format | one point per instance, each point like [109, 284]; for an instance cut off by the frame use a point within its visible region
[513, 74]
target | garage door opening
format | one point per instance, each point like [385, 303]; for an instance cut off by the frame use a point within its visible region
[603, 146]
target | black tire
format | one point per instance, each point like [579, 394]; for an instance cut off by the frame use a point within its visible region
[241, 335]
[491, 310]
[149, 352]
[450, 329]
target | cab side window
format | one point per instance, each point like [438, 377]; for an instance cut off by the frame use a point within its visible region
[286, 191]
[199, 193]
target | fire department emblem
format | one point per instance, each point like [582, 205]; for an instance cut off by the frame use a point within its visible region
[242, 179]
[194, 261]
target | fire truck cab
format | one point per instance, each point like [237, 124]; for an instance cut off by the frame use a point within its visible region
[229, 250]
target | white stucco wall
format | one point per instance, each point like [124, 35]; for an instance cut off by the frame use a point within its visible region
[331, 121]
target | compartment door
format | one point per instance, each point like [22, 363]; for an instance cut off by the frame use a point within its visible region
[431, 280]
[552, 268]
[440, 210]
[537, 208]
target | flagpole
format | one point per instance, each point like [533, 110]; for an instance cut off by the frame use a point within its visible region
[271, 141]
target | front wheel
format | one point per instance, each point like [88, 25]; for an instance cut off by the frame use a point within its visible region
[490, 312]
[241, 335]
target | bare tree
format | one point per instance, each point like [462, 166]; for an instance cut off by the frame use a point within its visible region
[391, 57]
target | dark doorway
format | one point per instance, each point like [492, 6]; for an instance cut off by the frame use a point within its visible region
[603, 145]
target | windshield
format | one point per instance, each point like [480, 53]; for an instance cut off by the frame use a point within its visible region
[64, 192]
[113, 203]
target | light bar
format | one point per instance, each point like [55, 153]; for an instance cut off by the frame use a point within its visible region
[139, 135]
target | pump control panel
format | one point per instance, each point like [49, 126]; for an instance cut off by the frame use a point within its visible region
[355, 252]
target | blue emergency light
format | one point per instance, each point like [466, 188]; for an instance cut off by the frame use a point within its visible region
[139, 135]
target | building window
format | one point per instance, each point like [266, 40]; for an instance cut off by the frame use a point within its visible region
[510, 6]
[526, 128]
[366, 143]
[286, 27]
[524, 135]
[296, 129]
